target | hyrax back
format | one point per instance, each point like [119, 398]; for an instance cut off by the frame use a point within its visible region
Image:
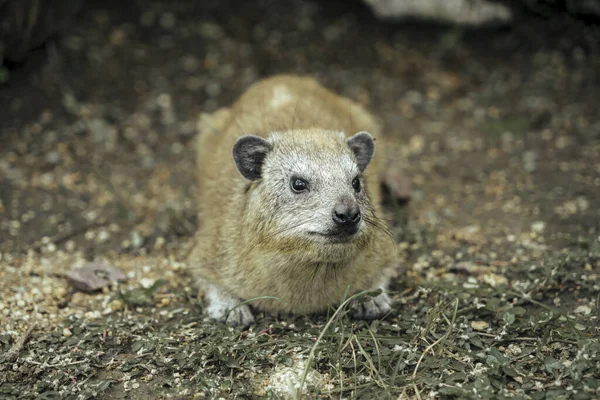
[289, 203]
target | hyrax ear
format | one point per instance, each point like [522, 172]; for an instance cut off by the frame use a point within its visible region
[363, 147]
[249, 153]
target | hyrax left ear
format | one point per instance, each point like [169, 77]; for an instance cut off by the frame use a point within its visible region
[249, 153]
[363, 147]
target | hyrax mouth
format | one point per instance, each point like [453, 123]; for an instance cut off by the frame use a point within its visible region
[336, 236]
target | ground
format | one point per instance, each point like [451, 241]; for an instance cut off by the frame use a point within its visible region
[498, 130]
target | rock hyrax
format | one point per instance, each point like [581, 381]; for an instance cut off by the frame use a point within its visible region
[289, 204]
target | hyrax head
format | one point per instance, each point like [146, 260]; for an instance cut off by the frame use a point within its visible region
[309, 184]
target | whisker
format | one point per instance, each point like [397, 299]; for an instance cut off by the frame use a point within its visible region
[380, 226]
[278, 232]
[384, 227]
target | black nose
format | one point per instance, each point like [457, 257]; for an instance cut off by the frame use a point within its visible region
[347, 216]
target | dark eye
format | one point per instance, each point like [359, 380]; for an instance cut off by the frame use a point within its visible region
[356, 184]
[299, 185]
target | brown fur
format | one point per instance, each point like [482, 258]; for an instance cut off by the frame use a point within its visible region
[234, 250]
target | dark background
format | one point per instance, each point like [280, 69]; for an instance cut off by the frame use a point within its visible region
[100, 104]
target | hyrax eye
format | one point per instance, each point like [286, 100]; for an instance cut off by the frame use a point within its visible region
[356, 184]
[299, 185]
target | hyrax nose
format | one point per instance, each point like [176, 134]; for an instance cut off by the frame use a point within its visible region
[346, 215]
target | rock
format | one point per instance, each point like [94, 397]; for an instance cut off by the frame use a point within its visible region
[468, 12]
[94, 276]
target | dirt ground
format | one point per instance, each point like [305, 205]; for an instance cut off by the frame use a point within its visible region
[498, 130]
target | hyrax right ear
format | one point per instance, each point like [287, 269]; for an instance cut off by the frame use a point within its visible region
[249, 154]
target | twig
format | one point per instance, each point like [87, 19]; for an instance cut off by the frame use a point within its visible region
[526, 339]
[527, 297]
[60, 364]
[13, 353]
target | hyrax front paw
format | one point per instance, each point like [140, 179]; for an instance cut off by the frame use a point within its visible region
[223, 307]
[372, 308]
[240, 316]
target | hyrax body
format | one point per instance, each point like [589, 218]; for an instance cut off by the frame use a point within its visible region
[289, 204]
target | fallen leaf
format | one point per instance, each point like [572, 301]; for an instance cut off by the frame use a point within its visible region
[94, 276]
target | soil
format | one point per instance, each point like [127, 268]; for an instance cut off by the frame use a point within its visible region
[498, 130]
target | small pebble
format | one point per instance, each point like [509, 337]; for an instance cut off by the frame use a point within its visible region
[538, 226]
[60, 292]
[147, 18]
[164, 100]
[513, 350]
[115, 305]
[177, 148]
[159, 243]
[561, 142]
[70, 246]
[98, 128]
[168, 20]
[147, 282]
[479, 325]
[529, 161]
[194, 83]
[136, 239]
[213, 89]
[103, 236]
[52, 157]
[190, 64]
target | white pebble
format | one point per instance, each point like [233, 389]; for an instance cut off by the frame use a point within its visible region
[103, 236]
[147, 282]
[538, 226]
